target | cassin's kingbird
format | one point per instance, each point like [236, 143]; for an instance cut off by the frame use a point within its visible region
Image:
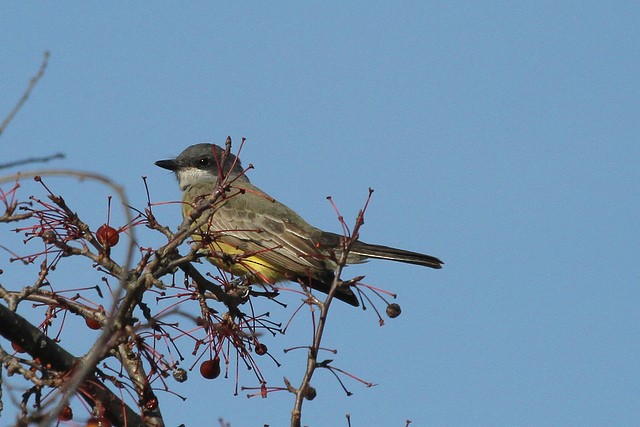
[268, 241]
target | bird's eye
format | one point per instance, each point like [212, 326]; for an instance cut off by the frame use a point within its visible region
[203, 161]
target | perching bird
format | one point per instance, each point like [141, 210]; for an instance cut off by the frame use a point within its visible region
[268, 241]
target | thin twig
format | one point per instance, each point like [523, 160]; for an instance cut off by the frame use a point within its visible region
[29, 160]
[305, 391]
[25, 96]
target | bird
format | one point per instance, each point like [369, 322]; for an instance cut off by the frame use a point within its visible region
[263, 240]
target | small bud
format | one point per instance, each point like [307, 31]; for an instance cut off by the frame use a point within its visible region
[393, 310]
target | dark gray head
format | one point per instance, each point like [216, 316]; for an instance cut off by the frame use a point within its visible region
[202, 162]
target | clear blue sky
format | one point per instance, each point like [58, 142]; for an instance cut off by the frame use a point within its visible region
[499, 136]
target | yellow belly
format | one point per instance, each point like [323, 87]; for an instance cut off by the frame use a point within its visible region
[243, 265]
[238, 263]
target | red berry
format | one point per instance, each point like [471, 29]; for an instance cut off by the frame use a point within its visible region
[18, 348]
[98, 422]
[210, 369]
[66, 414]
[92, 323]
[107, 235]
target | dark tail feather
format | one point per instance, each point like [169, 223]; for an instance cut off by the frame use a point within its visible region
[393, 254]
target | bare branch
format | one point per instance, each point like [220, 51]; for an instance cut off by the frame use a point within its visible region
[27, 92]
[305, 391]
[16, 329]
[29, 160]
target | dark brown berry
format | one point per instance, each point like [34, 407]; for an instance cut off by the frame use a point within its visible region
[310, 393]
[261, 349]
[66, 414]
[393, 310]
[210, 369]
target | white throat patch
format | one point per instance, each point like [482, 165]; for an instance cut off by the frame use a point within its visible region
[189, 177]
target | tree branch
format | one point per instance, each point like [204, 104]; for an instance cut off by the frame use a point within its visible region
[18, 330]
[27, 92]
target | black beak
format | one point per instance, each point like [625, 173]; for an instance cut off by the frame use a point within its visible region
[170, 164]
